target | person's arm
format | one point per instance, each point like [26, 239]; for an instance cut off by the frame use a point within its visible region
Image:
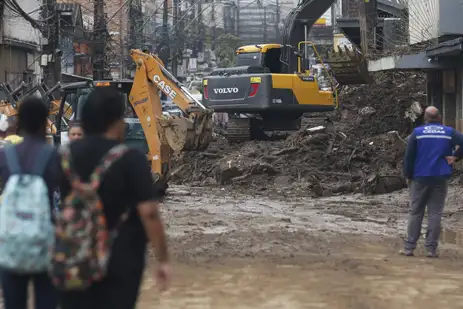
[409, 158]
[457, 141]
[154, 228]
[147, 199]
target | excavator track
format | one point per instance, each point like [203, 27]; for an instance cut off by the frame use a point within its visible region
[239, 130]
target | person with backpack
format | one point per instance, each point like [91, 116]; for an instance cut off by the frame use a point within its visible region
[29, 171]
[108, 212]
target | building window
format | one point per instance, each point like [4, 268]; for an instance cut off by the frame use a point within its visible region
[30, 62]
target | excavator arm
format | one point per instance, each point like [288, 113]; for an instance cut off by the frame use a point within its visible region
[166, 133]
[348, 66]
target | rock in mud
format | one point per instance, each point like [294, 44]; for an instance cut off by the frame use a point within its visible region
[367, 111]
[283, 181]
[227, 172]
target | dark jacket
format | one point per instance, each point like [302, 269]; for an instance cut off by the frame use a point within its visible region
[427, 148]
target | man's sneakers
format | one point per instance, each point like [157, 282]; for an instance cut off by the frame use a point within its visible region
[429, 254]
[406, 252]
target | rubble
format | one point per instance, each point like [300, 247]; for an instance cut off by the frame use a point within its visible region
[360, 151]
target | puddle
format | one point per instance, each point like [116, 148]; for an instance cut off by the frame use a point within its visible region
[368, 283]
[452, 237]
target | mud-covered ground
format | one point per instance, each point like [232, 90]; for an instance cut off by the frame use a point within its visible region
[232, 250]
[358, 148]
[311, 219]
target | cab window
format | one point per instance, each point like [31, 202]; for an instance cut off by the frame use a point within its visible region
[272, 60]
[247, 59]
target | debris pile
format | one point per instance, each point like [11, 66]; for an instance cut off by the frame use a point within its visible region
[358, 148]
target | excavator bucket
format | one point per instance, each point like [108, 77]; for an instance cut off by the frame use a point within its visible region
[349, 66]
[194, 133]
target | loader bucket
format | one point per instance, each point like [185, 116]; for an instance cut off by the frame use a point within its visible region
[194, 133]
[349, 66]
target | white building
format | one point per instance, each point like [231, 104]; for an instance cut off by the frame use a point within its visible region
[20, 45]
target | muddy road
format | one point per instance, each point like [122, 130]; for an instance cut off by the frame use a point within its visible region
[239, 251]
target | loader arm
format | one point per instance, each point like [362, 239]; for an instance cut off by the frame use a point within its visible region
[166, 133]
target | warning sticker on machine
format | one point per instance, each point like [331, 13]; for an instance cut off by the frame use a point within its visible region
[131, 120]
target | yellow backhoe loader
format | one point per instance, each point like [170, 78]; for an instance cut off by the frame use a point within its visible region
[164, 133]
[148, 128]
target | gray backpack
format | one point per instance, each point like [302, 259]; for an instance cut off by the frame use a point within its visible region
[4, 143]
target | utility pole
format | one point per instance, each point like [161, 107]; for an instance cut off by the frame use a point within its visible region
[238, 18]
[368, 21]
[165, 15]
[200, 28]
[277, 17]
[121, 44]
[52, 71]
[214, 26]
[265, 25]
[163, 49]
[100, 40]
[176, 40]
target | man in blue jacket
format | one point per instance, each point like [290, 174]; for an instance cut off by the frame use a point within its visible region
[427, 171]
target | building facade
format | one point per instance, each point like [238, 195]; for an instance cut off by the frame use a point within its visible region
[439, 54]
[74, 41]
[20, 45]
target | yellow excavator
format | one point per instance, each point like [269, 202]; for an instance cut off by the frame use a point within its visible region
[148, 128]
[272, 85]
[258, 96]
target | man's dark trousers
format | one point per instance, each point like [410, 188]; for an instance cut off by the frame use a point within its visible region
[433, 196]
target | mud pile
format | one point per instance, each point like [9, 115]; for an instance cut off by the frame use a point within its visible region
[358, 148]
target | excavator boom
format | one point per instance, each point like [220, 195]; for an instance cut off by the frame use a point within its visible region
[191, 132]
[348, 66]
[166, 133]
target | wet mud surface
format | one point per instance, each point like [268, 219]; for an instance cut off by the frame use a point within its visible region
[241, 251]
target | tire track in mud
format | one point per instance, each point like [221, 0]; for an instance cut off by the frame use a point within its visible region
[241, 251]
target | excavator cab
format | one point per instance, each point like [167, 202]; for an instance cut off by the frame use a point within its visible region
[266, 56]
[73, 98]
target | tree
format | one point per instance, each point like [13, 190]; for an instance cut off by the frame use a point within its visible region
[226, 49]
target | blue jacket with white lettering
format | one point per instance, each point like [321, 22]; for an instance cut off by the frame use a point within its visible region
[427, 148]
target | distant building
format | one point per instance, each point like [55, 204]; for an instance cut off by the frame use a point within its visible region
[20, 45]
[74, 41]
[262, 21]
[257, 22]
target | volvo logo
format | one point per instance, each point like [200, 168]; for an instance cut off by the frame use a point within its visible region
[225, 90]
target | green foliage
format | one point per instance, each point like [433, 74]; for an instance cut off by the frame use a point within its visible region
[225, 51]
